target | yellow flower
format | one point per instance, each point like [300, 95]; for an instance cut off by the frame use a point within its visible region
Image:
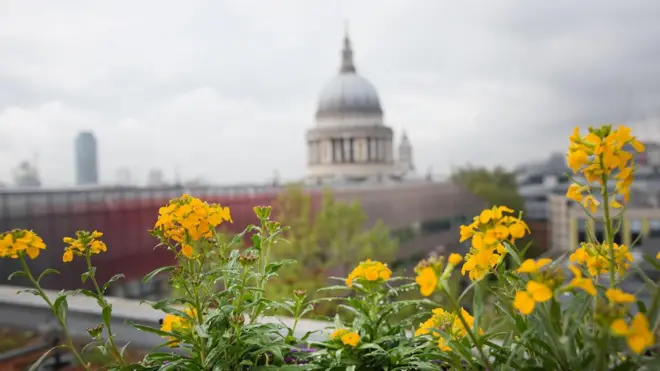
[187, 251]
[602, 155]
[596, 258]
[350, 338]
[427, 281]
[658, 256]
[619, 296]
[583, 283]
[85, 242]
[188, 217]
[536, 292]
[68, 256]
[615, 204]
[575, 192]
[455, 259]
[489, 231]
[590, 203]
[20, 241]
[480, 263]
[175, 323]
[533, 266]
[638, 336]
[369, 270]
[338, 333]
[447, 322]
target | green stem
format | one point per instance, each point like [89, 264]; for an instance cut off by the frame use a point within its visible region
[65, 329]
[608, 227]
[239, 301]
[198, 306]
[263, 263]
[104, 304]
[471, 334]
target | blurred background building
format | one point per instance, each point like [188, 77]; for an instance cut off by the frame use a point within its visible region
[350, 141]
[86, 159]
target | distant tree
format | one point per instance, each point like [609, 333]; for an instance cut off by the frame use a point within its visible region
[497, 186]
[330, 241]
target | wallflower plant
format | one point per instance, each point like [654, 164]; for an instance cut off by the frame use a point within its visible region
[366, 333]
[544, 314]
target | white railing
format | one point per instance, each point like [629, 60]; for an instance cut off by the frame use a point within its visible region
[29, 312]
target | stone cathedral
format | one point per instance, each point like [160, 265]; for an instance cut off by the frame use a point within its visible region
[350, 141]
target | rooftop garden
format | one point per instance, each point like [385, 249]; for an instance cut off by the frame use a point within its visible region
[516, 313]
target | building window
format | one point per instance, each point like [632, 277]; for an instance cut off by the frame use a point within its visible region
[336, 144]
[361, 150]
[435, 226]
[372, 149]
[404, 235]
[346, 145]
[351, 150]
[654, 228]
[326, 152]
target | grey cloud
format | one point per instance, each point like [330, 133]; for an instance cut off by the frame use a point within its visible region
[480, 82]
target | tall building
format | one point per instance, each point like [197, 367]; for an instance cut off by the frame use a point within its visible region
[86, 159]
[350, 141]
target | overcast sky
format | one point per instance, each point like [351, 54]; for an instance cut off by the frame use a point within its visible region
[226, 89]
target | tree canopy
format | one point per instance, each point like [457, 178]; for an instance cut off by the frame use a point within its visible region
[497, 186]
[325, 241]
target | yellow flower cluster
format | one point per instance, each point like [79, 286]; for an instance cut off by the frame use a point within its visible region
[598, 155]
[172, 322]
[638, 334]
[369, 270]
[489, 231]
[596, 257]
[85, 242]
[347, 337]
[447, 322]
[540, 288]
[429, 271]
[20, 241]
[188, 219]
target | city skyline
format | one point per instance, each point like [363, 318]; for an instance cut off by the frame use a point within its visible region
[237, 88]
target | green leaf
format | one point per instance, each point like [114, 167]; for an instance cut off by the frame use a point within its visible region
[38, 362]
[111, 280]
[641, 306]
[31, 291]
[477, 303]
[149, 329]
[256, 241]
[107, 314]
[513, 252]
[156, 272]
[61, 306]
[16, 274]
[275, 266]
[88, 293]
[334, 287]
[84, 277]
[47, 272]
[654, 262]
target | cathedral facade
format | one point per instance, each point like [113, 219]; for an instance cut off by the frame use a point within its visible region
[350, 141]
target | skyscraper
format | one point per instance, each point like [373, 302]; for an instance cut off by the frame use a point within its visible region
[86, 159]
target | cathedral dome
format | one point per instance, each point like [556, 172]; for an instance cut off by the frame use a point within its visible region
[348, 93]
